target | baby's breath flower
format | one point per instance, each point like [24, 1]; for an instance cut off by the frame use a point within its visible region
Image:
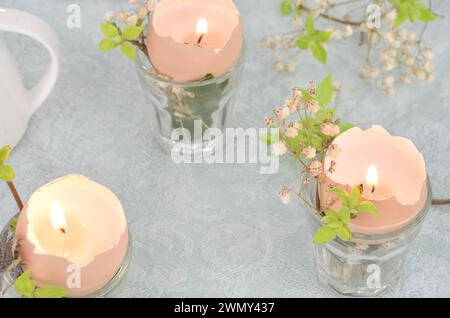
[279, 66]
[307, 181]
[312, 106]
[291, 132]
[285, 195]
[334, 151]
[109, 16]
[290, 67]
[388, 80]
[430, 78]
[348, 31]
[410, 61]
[389, 91]
[406, 79]
[151, 5]
[269, 121]
[279, 148]
[391, 16]
[123, 16]
[389, 65]
[428, 67]
[337, 35]
[315, 168]
[132, 20]
[309, 152]
[142, 12]
[282, 112]
[329, 129]
[427, 53]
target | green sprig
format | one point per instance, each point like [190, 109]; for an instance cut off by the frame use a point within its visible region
[114, 38]
[314, 40]
[412, 10]
[6, 172]
[337, 222]
[27, 288]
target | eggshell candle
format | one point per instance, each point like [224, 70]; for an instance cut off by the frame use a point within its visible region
[73, 220]
[391, 171]
[189, 39]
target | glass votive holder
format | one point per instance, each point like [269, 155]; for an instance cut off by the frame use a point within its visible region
[110, 290]
[368, 264]
[188, 109]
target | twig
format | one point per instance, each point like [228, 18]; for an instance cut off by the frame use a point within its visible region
[332, 18]
[441, 201]
[16, 195]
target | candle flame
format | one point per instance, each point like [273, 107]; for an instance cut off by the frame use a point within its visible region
[202, 26]
[372, 176]
[57, 217]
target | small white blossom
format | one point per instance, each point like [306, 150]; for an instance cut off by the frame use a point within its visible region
[309, 152]
[427, 53]
[315, 168]
[388, 80]
[291, 132]
[279, 148]
[282, 112]
[109, 16]
[329, 129]
[285, 195]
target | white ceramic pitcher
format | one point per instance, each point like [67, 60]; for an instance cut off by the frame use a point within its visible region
[17, 104]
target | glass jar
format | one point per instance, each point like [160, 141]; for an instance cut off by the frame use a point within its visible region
[109, 290]
[180, 113]
[369, 264]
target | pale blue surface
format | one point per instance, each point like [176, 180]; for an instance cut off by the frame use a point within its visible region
[218, 230]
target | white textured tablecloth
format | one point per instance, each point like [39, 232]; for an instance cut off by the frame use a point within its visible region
[218, 230]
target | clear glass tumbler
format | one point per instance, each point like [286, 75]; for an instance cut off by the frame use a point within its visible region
[110, 290]
[369, 264]
[193, 106]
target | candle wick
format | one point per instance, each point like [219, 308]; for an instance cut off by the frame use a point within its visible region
[373, 189]
[200, 39]
[62, 231]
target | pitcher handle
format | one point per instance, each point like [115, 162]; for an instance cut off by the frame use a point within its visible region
[27, 24]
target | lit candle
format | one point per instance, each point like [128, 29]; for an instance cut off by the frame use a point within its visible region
[189, 39]
[392, 174]
[73, 221]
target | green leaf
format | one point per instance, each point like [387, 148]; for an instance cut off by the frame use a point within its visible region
[128, 50]
[109, 30]
[107, 45]
[346, 126]
[330, 219]
[132, 32]
[4, 153]
[7, 173]
[318, 51]
[344, 233]
[344, 215]
[309, 24]
[354, 198]
[286, 7]
[50, 292]
[427, 15]
[341, 194]
[324, 235]
[24, 285]
[13, 225]
[334, 225]
[303, 42]
[325, 91]
[367, 207]
[323, 36]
